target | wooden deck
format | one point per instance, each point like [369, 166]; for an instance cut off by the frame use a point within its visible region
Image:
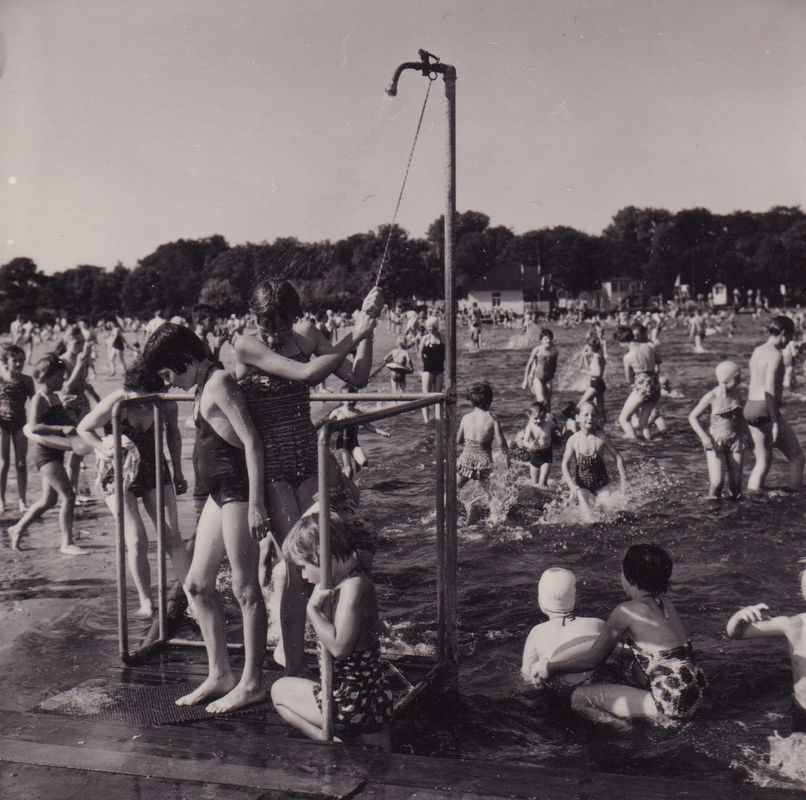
[255, 755]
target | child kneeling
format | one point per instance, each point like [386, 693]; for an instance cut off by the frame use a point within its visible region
[362, 699]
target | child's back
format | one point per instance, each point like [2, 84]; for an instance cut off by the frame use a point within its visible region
[561, 637]
[479, 426]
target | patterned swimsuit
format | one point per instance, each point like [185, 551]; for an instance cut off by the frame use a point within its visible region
[476, 461]
[724, 429]
[591, 473]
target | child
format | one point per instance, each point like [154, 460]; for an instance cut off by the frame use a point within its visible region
[233, 521]
[534, 443]
[672, 684]
[50, 432]
[15, 390]
[541, 367]
[350, 454]
[587, 447]
[724, 442]
[137, 424]
[752, 623]
[361, 698]
[641, 372]
[564, 633]
[477, 431]
[398, 362]
[593, 362]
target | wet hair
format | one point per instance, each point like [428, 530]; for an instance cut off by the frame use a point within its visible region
[481, 395]
[548, 333]
[11, 351]
[274, 300]
[648, 567]
[139, 377]
[539, 407]
[570, 410]
[624, 334]
[173, 347]
[782, 324]
[301, 545]
[49, 365]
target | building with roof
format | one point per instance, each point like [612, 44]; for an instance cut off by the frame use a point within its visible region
[510, 287]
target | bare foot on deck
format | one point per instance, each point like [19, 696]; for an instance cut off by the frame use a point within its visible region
[239, 697]
[145, 611]
[212, 687]
[73, 550]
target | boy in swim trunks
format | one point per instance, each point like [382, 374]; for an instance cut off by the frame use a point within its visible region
[16, 389]
[752, 623]
[534, 444]
[724, 441]
[234, 519]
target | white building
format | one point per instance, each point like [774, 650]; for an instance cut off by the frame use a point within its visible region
[511, 287]
[619, 289]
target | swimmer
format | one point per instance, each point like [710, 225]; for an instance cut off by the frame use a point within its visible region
[752, 623]
[534, 444]
[672, 684]
[724, 441]
[587, 448]
[564, 633]
[398, 362]
[234, 518]
[768, 428]
[541, 368]
[641, 372]
[16, 388]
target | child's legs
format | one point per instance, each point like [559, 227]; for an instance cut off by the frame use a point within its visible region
[735, 464]
[762, 452]
[180, 558]
[644, 415]
[586, 499]
[539, 390]
[716, 472]
[74, 469]
[48, 499]
[608, 702]
[633, 402]
[346, 461]
[544, 474]
[134, 534]
[534, 474]
[243, 552]
[5, 455]
[438, 379]
[293, 698]
[57, 477]
[21, 464]
[788, 444]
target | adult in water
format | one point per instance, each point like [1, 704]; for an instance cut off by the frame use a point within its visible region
[762, 411]
[432, 354]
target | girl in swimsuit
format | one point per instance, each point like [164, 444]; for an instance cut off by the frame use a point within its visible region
[541, 367]
[137, 423]
[16, 389]
[593, 362]
[641, 371]
[587, 448]
[362, 699]
[348, 450]
[724, 442]
[275, 369]
[432, 354]
[670, 683]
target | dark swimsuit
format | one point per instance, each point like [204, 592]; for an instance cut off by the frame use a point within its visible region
[433, 356]
[281, 411]
[756, 413]
[55, 415]
[591, 473]
[347, 439]
[146, 479]
[222, 466]
[13, 395]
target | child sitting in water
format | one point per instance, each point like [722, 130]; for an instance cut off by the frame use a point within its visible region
[16, 389]
[672, 684]
[478, 430]
[349, 452]
[534, 444]
[398, 362]
[587, 447]
[724, 441]
[564, 633]
[752, 623]
[362, 699]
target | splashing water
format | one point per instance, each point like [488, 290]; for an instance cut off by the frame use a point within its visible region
[783, 767]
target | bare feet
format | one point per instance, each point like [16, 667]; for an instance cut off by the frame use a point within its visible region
[145, 611]
[239, 697]
[73, 550]
[22, 506]
[212, 687]
[16, 537]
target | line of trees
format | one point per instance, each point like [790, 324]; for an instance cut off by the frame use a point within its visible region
[744, 249]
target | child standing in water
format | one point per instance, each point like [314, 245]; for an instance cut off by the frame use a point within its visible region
[362, 699]
[398, 362]
[51, 436]
[641, 371]
[534, 444]
[563, 633]
[752, 623]
[593, 362]
[724, 441]
[348, 450]
[541, 368]
[671, 684]
[587, 448]
[16, 389]
[478, 430]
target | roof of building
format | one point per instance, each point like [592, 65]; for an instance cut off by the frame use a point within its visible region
[506, 277]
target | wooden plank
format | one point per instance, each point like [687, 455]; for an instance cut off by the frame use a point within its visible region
[325, 784]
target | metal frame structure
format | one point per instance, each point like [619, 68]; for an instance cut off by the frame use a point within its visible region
[446, 666]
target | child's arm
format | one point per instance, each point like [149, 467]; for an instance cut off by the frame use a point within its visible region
[629, 374]
[170, 414]
[460, 434]
[339, 636]
[372, 429]
[229, 400]
[750, 622]
[89, 390]
[97, 418]
[530, 654]
[567, 455]
[527, 372]
[694, 420]
[500, 439]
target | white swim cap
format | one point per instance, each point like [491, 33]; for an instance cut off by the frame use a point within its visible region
[557, 591]
[726, 370]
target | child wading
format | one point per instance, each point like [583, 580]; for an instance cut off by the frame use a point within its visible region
[361, 697]
[16, 389]
[724, 441]
[533, 444]
[233, 521]
[541, 368]
[670, 682]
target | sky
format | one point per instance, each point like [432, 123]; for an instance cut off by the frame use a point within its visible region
[125, 125]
